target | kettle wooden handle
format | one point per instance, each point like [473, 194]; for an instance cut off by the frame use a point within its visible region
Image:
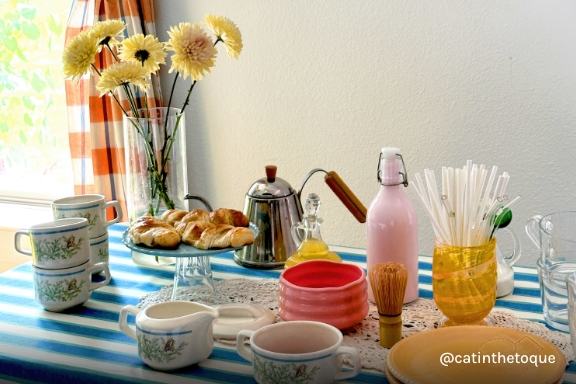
[346, 196]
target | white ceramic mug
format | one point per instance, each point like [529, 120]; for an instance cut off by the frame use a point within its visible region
[59, 289]
[99, 249]
[171, 335]
[56, 244]
[91, 207]
[297, 351]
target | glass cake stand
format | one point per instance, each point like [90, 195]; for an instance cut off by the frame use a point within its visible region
[192, 264]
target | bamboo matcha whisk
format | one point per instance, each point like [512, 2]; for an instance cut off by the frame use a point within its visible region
[388, 282]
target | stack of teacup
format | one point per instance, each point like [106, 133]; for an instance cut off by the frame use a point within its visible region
[93, 208]
[68, 250]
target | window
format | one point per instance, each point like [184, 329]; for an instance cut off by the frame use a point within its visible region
[34, 152]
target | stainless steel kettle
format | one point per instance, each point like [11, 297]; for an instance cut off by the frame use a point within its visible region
[274, 206]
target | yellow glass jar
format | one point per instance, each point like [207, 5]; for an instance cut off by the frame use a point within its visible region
[464, 281]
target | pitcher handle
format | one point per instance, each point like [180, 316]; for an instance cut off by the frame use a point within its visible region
[516, 252]
[245, 352]
[231, 309]
[295, 231]
[533, 230]
[123, 320]
[353, 353]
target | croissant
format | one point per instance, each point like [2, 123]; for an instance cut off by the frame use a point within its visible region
[223, 236]
[173, 216]
[153, 232]
[196, 215]
[191, 232]
[219, 216]
[230, 217]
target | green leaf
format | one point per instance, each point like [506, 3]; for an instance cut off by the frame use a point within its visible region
[23, 137]
[3, 127]
[37, 83]
[10, 43]
[54, 25]
[28, 12]
[48, 78]
[28, 102]
[30, 30]
[24, 74]
[2, 29]
[21, 55]
[28, 120]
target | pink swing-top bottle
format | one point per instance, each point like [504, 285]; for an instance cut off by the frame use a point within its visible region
[392, 224]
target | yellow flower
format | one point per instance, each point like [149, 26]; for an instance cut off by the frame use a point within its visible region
[226, 31]
[145, 50]
[106, 31]
[79, 55]
[194, 51]
[122, 73]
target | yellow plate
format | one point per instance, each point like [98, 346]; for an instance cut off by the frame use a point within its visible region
[486, 355]
[391, 378]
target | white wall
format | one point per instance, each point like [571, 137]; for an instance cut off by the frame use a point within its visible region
[328, 83]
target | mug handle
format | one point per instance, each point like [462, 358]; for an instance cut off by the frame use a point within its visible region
[516, 252]
[123, 320]
[117, 208]
[533, 230]
[17, 237]
[353, 353]
[99, 267]
[245, 352]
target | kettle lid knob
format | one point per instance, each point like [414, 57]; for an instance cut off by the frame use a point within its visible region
[271, 187]
[271, 173]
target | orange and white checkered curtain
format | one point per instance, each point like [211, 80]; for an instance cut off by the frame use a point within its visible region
[94, 122]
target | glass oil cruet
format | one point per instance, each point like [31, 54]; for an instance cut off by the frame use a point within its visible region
[310, 246]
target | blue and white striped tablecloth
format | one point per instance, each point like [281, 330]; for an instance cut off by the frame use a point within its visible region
[85, 345]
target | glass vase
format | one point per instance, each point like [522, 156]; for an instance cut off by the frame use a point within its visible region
[156, 172]
[464, 282]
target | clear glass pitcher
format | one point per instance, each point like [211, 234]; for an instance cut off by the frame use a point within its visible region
[306, 235]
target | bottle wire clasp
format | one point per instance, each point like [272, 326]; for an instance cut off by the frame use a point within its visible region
[404, 174]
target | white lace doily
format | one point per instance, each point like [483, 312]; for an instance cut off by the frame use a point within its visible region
[418, 316]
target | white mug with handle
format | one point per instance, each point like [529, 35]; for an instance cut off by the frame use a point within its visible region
[298, 351]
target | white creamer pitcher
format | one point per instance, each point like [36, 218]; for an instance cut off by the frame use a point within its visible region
[171, 335]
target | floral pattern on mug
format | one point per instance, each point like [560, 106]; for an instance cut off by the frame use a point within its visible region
[91, 220]
[103, 253]
[159, 349]
[62, 248]
[290, 373]
[63, 290]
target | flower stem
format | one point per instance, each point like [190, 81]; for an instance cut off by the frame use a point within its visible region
[112, 52]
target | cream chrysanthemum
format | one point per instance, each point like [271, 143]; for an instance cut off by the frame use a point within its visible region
[194, 51]
[145, 50]
[122, 73]
[226, 31]
[79, 55]
[105, 32]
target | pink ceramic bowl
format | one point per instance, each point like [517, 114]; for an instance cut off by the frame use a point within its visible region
[321, 290]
